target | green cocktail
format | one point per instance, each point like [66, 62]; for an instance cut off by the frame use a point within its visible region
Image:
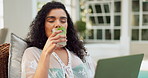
[62, 33]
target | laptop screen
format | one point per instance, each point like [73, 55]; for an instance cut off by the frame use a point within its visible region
[119, 67]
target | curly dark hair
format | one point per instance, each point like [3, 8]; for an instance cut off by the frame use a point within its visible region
[37, 37]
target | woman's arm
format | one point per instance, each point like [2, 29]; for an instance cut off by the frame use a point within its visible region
[43, 64]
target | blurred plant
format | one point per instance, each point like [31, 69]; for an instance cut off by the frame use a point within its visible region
[83, 31]
[82, 10]
[81, 27]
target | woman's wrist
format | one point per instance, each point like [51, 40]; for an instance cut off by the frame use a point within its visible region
[46, 53]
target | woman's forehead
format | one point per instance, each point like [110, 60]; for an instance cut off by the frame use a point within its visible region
[57, 13]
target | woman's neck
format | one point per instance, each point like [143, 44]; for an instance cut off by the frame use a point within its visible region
[59, 49]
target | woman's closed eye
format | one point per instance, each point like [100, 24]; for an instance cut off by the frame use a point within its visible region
[51, 21]
[63, 21]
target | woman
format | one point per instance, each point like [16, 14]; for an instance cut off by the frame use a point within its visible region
[45, 57]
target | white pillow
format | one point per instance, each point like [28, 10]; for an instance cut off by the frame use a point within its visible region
[17, 48]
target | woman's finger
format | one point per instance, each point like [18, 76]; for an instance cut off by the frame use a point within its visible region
[58, 37]
[58, 41]
[55, 33]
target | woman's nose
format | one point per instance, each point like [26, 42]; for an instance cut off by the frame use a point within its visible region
[57, 24]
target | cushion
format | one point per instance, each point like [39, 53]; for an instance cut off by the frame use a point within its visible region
[17, 48]
[4, 54]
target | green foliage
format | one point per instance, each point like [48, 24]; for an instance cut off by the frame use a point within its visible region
[80, 26]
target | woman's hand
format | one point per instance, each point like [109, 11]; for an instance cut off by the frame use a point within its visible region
[52, 41]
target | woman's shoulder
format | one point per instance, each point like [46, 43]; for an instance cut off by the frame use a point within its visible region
[31, 56]
[32, 50]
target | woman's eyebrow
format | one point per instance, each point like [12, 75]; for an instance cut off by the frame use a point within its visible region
[50, 17]
[63, 17]
[55, 17]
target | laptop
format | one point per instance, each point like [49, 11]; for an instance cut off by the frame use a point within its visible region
[119, 67]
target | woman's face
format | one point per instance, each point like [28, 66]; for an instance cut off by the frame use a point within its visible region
[55, 18]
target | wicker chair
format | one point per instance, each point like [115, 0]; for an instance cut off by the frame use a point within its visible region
[4, 55]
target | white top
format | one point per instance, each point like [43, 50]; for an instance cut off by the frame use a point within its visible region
[57, 69]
